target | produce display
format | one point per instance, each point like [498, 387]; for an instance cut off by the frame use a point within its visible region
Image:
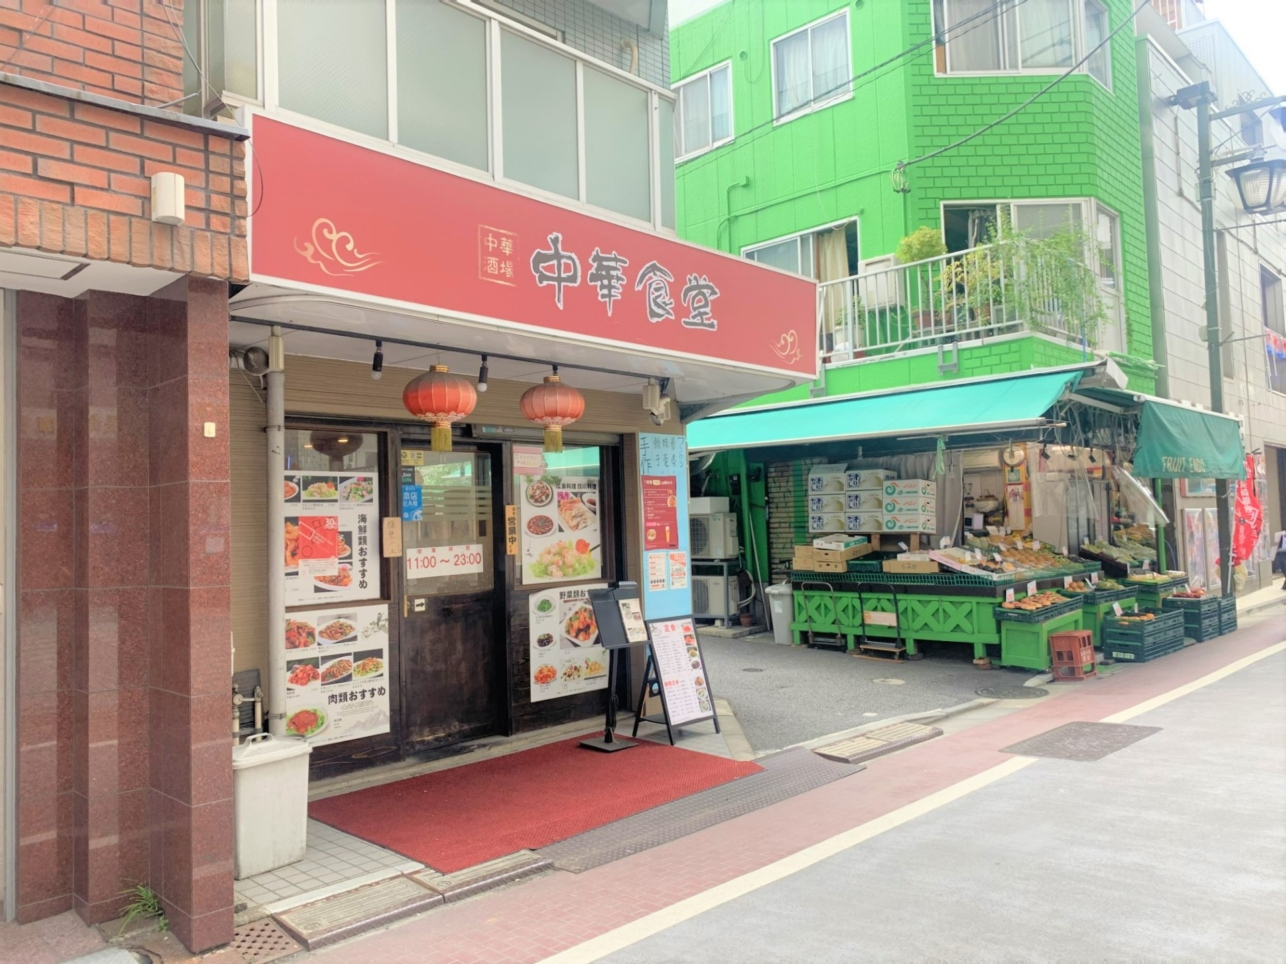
[1109, 585]
[1153, 578]
[1137, 618]
[1041, 600]
[1127, 552]
[1189, 594]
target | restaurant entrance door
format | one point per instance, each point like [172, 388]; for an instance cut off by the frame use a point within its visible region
[453, 627]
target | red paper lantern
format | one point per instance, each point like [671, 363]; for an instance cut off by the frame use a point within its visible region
[440, 398]
[553, 405]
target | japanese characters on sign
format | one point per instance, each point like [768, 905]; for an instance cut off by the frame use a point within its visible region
[337, 673]
[681, 670]
[663, 463]
[496, 255]
[567, 655]
[321, 506]
[660, 512]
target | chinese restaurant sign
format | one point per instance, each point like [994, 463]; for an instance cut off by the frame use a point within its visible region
[333, 214]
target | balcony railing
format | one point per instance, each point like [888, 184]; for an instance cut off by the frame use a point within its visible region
[1007, 287]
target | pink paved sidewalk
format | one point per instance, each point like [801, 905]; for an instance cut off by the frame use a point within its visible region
[526, 923]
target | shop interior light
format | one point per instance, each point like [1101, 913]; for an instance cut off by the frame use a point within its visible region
[482, 375]
[377, 363]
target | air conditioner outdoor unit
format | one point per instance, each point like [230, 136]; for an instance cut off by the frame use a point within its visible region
[714, 536]
[714, 596]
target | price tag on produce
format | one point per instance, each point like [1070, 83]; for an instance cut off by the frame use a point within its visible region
[1067, 582]
[1063, 551]
[1009, 594]
[1093, 578]
[1116, 608]
[1035, 544]
[1147, 564]
[995, 557]
[944, 542]
[429, 562]
[1031, 588]
[903, 546]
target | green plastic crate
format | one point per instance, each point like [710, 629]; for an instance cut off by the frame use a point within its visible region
[1039, 615]
[1166, 628]
[1127, 652]
[1227, 614]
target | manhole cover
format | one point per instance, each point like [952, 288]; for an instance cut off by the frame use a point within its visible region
[751, 669]
[889, 681]
[1085, 742]
[1011, 692]
[262, 941]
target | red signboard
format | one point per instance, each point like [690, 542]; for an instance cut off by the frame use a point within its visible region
[660, 512]
[331, 214]
[1248, 515]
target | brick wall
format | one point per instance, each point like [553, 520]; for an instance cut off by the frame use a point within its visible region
[75, 180]
[127, 49]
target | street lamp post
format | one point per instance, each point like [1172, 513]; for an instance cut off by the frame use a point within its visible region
[1201, 98]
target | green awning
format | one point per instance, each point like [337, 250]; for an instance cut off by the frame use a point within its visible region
[995, 404]
[1177, 443]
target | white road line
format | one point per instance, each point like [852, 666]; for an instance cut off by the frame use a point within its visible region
[1196, 684]
[614, 940]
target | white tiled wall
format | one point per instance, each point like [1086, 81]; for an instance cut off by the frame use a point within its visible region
[594, 31]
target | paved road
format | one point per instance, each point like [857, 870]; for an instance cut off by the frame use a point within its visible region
[1172, 848]
[783, 695]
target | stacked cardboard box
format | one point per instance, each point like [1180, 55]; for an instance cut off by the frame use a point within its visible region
[833, 553]
[910, 505]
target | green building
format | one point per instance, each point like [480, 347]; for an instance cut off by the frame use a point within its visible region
[794, 117]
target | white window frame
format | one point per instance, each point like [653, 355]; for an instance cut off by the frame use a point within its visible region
[813, 106]
[1095, 207]
[495, 23]
[1084, 42]
[1089, 218]
[810, 232]
[678, 113]
[1079, 48]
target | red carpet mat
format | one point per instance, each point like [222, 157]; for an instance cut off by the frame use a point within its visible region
[456, 818]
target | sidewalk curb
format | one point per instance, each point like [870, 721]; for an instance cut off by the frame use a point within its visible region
[922, 716]
[734, 737]
[1266, 604]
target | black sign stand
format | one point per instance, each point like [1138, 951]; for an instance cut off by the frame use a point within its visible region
[652, 677]
[614, 637]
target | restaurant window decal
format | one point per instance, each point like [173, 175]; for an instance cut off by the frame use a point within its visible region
[337, 652]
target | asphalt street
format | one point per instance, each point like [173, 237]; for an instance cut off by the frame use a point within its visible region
[783, 695]
[1172, 848]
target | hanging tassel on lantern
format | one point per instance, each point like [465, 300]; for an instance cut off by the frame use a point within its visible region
[441, 399]
[552, 405]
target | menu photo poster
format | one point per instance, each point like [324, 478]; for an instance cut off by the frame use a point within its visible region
[558, 522]
[337, 683]
[567, 655]
[332, 537]
[681, 671]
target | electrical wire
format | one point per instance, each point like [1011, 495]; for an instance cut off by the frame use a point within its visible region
[178, 32]
[903, 165]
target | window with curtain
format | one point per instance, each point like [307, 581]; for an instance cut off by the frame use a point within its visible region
[811, 67]
[704, 116]
[332, 62]
[1004, 36]
[828, 254]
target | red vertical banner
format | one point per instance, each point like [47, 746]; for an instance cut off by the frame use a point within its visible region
[660, 512]
[1248, 516]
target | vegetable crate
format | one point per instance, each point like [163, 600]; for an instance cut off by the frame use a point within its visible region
[1200, 616]
[1073, 655]
[1141, 641]
[1039, 615]
[1150, 594]
[1227, 614]
[1026, 644]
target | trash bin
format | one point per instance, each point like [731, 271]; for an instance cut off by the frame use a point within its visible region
[781, 610]
[269, 803]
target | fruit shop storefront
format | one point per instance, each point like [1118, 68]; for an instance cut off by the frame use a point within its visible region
[988, 512]
[464, 391]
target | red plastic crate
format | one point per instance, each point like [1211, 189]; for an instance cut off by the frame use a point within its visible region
[1070, 653]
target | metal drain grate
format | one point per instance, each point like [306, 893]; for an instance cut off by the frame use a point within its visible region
[263, 941]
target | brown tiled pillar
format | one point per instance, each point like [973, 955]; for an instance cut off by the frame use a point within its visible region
[190, 607]
[45, 600]
[110, 665]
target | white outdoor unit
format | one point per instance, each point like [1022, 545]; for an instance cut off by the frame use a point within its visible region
[714, 596]
[714, 536]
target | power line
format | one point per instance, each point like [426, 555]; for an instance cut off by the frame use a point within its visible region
[903, 165]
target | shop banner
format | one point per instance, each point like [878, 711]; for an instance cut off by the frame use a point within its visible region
[567, 656]
[561, 532]
[1249, 515]
[681, 670]
[334, 215]
[663, 466]
[337, 673]
[332, 537]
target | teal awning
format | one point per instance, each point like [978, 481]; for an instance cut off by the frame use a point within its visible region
[1178, 442]
[997, 404]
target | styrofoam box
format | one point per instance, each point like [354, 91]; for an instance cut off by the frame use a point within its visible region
[908, 504]
[913, 522]
[825, 522]
[867, 478]
[838, 542]
[863, 521]
[825, 478]
[830, 502]
[868, 500]
[900, 487]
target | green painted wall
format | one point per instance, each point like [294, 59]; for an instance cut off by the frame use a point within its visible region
[1079, 140]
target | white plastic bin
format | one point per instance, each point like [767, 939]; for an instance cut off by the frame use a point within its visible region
[781, 610]
[269, 803]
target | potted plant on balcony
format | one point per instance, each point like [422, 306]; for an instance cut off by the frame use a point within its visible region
[921, 245]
